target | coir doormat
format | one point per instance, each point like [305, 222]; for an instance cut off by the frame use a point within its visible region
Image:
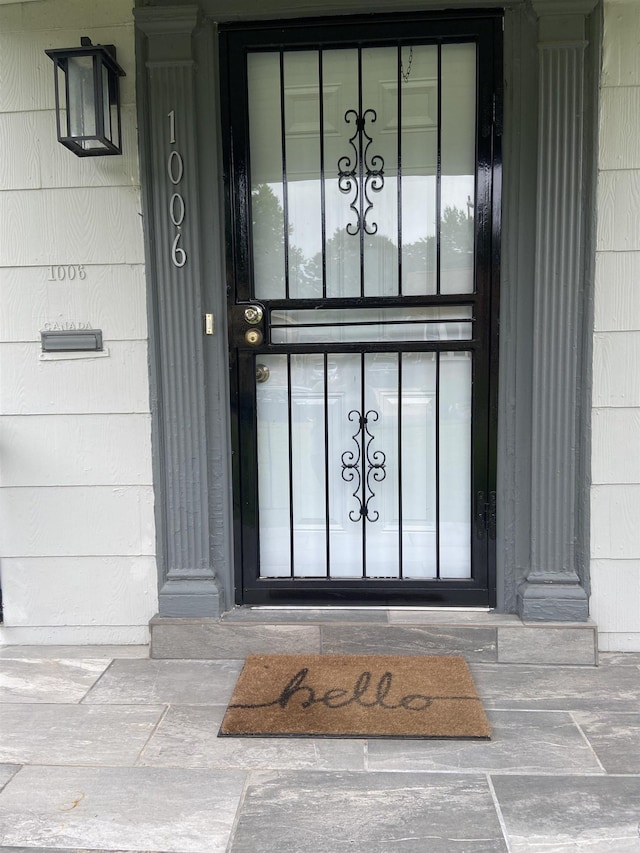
[355, 696]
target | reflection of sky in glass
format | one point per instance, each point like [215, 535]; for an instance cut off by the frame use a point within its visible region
[303, 196]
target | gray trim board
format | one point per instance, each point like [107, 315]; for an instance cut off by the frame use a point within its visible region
[174, 240]
[552, 589]
[516, 304]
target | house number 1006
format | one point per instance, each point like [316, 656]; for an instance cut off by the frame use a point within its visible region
[175, 171]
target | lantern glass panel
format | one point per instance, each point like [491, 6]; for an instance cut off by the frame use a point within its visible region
[106, 106]
[81, 97]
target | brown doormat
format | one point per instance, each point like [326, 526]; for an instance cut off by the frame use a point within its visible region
[355, 696]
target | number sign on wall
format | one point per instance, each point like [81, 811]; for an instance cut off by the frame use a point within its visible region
[175, 171]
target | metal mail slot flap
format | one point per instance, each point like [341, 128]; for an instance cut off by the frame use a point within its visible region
[82, 340]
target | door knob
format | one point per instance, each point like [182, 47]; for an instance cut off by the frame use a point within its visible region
[262, 373]
[253, 314]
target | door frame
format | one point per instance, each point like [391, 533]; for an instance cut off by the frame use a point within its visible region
[235, 39]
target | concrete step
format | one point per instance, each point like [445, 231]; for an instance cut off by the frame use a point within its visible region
[479, 636]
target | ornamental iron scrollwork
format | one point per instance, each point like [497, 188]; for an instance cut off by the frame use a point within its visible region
[360, 174]
[354, 461]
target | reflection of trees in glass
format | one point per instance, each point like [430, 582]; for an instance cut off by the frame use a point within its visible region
[456, 244]
[267, 217]
[342, 252]
[456, 237]
[456, 247]
[342, 257]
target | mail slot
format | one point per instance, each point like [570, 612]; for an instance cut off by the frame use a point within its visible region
[80, 340]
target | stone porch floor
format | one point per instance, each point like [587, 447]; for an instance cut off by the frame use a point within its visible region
[106, 749]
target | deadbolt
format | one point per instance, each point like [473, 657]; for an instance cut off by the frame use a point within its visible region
[262, 373]
[253, 314]
[253, 337]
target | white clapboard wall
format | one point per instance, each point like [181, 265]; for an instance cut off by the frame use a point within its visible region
[615, 493]
[76, 498]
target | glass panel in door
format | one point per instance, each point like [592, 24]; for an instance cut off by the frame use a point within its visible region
[364, 465]
[363, 171]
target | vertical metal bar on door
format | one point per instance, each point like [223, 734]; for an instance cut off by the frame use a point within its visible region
[291, 517]
[437, 461]
[327, 511]
[323, 198]
[360, 174]
[439, 171]
[399, 176]
[399, 427]
[363, 518]
[285, 193]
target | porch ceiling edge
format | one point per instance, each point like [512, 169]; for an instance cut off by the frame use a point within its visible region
[238, 10]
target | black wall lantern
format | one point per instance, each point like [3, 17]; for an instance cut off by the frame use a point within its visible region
[88, 98]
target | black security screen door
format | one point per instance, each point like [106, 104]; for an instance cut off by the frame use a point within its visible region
[362, 161]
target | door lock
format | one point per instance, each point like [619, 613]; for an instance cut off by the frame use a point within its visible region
[253, 337]
[253, 314]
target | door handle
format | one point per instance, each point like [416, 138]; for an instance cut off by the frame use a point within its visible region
[253, 314]
[262, 373]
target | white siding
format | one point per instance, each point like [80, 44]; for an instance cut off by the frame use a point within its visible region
[617, 302]
[615, 494]
[80, 450]
[77, 556]
[111, 294]
[31, 384]
[107, 581]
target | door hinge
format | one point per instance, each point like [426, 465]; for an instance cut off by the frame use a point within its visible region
[486, 515]
[491, 516]
[209, 326]
[497, 118]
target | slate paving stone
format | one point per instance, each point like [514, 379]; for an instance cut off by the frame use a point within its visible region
[74, 652]
[76, 734]
[215, 639]
[48, 680]
[132, 809]
[615, 738]
[522, 742]
[189, 682]
[305, 614]
[619, 659]
[7, 772]
[570, 814]
[407, 616]
[558, 688]
[475, 644]
[187, 737]
[525, 644]
[367, 813]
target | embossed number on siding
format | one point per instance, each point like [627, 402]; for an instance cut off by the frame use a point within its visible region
[67, 272]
